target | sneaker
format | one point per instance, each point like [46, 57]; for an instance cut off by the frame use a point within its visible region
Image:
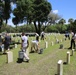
[27, 60]
[4, 53]
[69, 48]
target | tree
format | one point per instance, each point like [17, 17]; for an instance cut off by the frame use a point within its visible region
[7, 10]
[1, 14]
[53, 18]
[62, 21]
[71, 20]
[73, 28]
[15, 21]
[35, 11]
[41, 10]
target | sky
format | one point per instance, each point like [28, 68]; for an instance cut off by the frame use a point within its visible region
[64, 8]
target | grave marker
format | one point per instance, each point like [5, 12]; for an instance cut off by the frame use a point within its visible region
[46, 44]
[60, 68]
[72, 51]
[52, 43]
[61, 46]
[9, 56]
[15, 45]
[68, 57]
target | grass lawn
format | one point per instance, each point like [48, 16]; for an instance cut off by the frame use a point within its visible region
[41, 64]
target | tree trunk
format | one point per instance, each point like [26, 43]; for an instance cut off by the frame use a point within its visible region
[16, 28]
[37, 27]
[0, 29]
[6, 21]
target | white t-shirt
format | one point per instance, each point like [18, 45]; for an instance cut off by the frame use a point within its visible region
[25, 39]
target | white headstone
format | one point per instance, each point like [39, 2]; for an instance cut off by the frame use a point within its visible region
[52, 43]
[72, 51]
[57, 41]
[27, 51]
[15, 45]
[68, 57]
[9, 57]
[46, 44]
[60, 68]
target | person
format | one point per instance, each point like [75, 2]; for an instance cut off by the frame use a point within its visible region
[6, 42]
[67, 35]
[0, 43]
[0, 40]
[42, 35]
[35, 45]
[25, 45]
[72, 43]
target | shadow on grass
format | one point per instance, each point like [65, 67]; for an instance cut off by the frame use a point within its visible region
[32, 52]
[64, 63]
[1, 54]
[21, 60]
[71, 55]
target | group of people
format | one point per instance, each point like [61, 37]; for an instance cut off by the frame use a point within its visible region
[73, 38]
[24, 43]
[34, 44]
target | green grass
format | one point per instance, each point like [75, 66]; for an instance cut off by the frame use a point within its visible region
[40, 64]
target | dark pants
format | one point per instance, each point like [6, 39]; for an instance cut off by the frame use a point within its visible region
[6, 47]
[42, 37]
[67, 36]
[72, 44]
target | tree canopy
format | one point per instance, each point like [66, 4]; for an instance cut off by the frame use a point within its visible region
[34, 11]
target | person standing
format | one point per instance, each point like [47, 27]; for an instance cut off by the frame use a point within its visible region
[72, 43]
[25, 45]
[0, 40]
[7, 41]
[0, 43]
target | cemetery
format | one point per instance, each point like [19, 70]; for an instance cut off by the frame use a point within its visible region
[52, 61]
[36, 38]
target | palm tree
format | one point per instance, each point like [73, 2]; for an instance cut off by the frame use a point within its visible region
[71, 20]
[62, 21]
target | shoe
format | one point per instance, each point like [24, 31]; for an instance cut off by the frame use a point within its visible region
[32, 51]
[69, 48]
[27, 60]
[4, 53]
